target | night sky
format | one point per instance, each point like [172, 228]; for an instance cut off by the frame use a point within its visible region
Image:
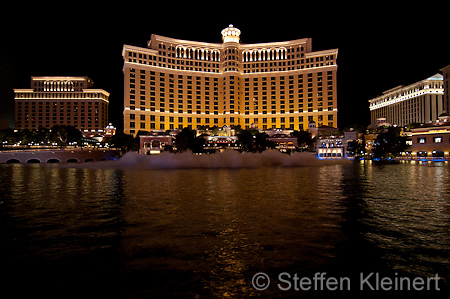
[380, 46]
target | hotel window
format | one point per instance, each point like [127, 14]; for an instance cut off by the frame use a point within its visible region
[437, 139]
[422, 140]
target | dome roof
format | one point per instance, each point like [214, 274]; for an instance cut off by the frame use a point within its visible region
[231, 34]
[379, 122]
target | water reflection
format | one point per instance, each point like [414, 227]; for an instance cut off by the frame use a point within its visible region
[410, 217]
[205, 232]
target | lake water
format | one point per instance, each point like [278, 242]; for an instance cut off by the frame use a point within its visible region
[203, 233]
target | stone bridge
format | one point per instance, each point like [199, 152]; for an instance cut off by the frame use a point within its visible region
[57, 155]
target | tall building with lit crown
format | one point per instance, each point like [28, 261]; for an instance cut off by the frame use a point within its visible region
[176, 83]
[61, 101]
[420, 102]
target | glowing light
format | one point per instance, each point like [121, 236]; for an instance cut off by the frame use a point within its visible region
[231, 34]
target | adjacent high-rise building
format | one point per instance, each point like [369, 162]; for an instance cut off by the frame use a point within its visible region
[446, 76]
[61, 101]
[176, 83]
[420, 102]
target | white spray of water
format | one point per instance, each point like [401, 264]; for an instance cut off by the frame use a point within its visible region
[226, 159]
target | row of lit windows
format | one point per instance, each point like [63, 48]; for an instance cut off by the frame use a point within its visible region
[266, 69]
[62, 119]
[206, 102]
[207, 67]
[173, 61]
[61, 112]
[280, 104]
[206, 78]
[214, 67]
[33, 118]
[68, 86]
[43, 83]
[255, 120]
[65, 103]
[255, 103]
[423, 140]
[49, 124]
[402, 93]
[291, 78]
[327, 60]
[207, 107]
[232, 110]
[63, 95]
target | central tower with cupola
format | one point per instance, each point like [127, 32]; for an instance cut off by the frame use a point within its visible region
[230, 37]
[231, 75]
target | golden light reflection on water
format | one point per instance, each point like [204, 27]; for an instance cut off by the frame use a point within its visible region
[227, 278]
[237, 220]
[208, 231]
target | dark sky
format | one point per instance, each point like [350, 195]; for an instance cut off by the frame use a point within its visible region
[380, 46]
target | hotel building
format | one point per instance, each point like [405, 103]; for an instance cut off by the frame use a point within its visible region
[420, 102]
[446, 76]
[330, 147]
[432, 141]
[176, 83]
[61, 101]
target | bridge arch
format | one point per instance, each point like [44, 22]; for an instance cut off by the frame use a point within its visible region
[53, 160]
[72, 160]
[33, 160]
[13, 160]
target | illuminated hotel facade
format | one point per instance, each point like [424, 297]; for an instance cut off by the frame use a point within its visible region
[61, 101]
[420, 102]
[175, 83]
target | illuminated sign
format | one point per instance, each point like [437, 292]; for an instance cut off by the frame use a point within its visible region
[438, 131]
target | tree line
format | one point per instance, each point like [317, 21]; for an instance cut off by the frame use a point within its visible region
[388, 144]
[57, 135]
[249, 140]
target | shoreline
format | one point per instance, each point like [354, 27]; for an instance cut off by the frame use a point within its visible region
[61, 155]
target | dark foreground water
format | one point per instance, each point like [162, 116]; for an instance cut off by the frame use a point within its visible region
[204, 233]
